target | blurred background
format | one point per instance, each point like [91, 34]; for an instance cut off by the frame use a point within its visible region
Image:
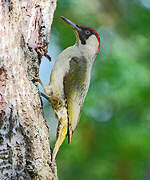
[112, 140]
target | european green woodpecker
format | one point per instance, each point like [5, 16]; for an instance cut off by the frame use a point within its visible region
[70, 79]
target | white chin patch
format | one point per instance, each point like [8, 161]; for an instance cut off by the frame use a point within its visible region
[92, 41]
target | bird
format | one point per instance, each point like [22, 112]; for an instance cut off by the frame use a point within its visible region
[70, 80]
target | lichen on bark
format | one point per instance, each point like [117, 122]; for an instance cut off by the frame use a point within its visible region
[24, 37]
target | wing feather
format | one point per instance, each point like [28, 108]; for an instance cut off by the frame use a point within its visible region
[75, 88]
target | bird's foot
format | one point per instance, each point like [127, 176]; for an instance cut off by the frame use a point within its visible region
[46, 88]
[37, 79]
[43, 52]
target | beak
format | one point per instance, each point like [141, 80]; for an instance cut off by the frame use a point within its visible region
[74, 26]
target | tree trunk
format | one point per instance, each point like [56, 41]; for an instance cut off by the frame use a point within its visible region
[24, 142]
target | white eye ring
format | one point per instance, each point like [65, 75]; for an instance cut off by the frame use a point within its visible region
[87, 32]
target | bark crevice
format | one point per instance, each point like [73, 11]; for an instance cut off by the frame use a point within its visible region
[24, 142]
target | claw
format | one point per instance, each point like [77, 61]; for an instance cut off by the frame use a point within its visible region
[37, 79]
[48, 57]
[46, 89]
[43, 52]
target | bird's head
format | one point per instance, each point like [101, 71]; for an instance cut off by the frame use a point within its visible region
[87, 38]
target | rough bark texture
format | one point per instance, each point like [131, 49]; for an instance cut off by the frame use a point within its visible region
[24, 36]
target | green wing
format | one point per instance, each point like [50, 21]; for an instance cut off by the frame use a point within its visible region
[75, 88]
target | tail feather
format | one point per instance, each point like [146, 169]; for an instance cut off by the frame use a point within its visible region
[61, 130]
[70, 134]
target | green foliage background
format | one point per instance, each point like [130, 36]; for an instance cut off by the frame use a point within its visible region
[112, 140]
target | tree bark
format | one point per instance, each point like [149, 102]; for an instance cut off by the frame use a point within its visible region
[24, 143]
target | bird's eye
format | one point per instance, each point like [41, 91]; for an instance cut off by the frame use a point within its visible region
[87, 32]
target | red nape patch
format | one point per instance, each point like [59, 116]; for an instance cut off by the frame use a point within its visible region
[97, 35]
